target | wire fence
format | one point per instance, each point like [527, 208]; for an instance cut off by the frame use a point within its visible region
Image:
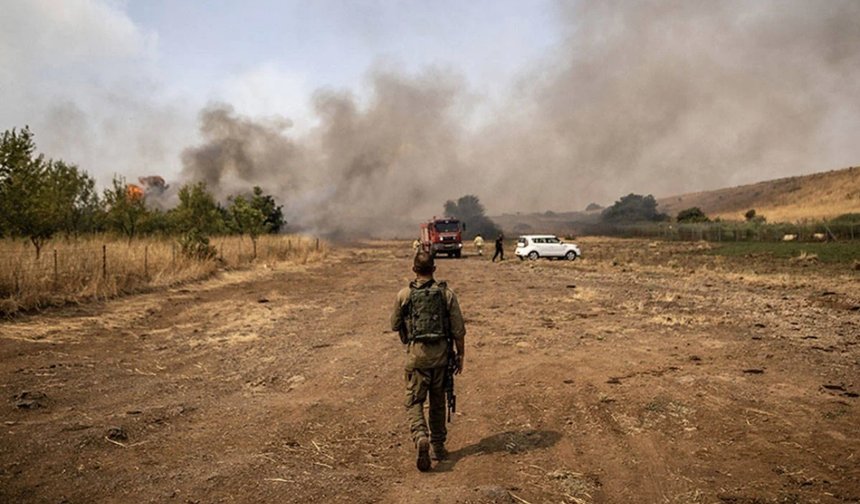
[103, 268]
[729, 231]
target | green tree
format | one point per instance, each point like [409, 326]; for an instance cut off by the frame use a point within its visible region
[197, 210]
[273, 213]
[633, 208]
[77, 202]
[247, 220]
[692, 215]
[470, 211]
[26, 192]
[125, 213]
[197, 217]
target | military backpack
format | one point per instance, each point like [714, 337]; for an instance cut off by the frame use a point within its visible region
[428, 313]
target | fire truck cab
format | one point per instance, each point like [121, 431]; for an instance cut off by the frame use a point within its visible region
[443, 236]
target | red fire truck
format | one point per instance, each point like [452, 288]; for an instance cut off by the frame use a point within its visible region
[443, 236]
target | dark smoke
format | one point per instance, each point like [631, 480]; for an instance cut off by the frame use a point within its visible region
[362, 170]
[657, 97]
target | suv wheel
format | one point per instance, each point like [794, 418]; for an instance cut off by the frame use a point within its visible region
[533, 255]
[570, 256]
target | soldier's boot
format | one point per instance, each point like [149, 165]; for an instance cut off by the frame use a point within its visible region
[439, 452]
[423, 462]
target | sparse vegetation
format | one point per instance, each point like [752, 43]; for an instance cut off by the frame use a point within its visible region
[100, 267]
[819, 196]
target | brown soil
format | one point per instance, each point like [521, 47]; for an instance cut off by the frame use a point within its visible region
[639, 374]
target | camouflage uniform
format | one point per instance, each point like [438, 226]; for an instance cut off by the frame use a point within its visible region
[425, 368]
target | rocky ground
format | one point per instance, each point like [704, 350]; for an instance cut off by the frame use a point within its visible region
[644, 372]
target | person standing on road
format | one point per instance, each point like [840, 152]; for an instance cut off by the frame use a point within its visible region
[500, 250]
[427, 316]
[479, 244]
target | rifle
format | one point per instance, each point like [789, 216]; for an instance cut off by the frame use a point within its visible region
[449, 380]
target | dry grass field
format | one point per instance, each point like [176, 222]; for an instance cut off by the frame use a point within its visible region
[72, 271]
[649, 372]
[810, 197]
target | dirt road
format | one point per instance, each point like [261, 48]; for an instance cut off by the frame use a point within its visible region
[640, 374]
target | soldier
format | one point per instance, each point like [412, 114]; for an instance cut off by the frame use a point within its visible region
[427, 316]
[500, 250]
[479, 244]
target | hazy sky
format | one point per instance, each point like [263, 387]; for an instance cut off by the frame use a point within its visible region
[373, 109]
[114, 71]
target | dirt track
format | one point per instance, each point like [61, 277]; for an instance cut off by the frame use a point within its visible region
[641, 374]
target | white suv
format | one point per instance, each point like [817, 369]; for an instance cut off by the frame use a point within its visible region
[535, 246]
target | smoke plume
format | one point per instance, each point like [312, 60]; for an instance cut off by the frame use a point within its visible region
[361, 170]
[659, 97]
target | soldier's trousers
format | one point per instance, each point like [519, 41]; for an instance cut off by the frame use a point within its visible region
[419, 384]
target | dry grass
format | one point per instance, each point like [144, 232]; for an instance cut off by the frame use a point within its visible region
[818, 196]
[101, 267]
[805, 257]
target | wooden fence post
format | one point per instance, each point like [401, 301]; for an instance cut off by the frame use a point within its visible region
[104, 261]
[146, 262]
[56, 273]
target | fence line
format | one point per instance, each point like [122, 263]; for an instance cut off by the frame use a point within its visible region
[728, 231]
[97, 268]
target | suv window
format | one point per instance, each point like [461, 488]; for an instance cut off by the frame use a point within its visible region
[552, 240]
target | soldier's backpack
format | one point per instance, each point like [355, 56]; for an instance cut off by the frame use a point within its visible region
[428, 313]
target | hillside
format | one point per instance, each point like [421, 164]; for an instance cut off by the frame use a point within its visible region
[818, 196]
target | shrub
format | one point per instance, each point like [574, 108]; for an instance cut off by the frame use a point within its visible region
[692, 215]
[195, 245]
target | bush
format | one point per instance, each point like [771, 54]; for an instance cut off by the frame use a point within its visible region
[692, 215]
[195, 245]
